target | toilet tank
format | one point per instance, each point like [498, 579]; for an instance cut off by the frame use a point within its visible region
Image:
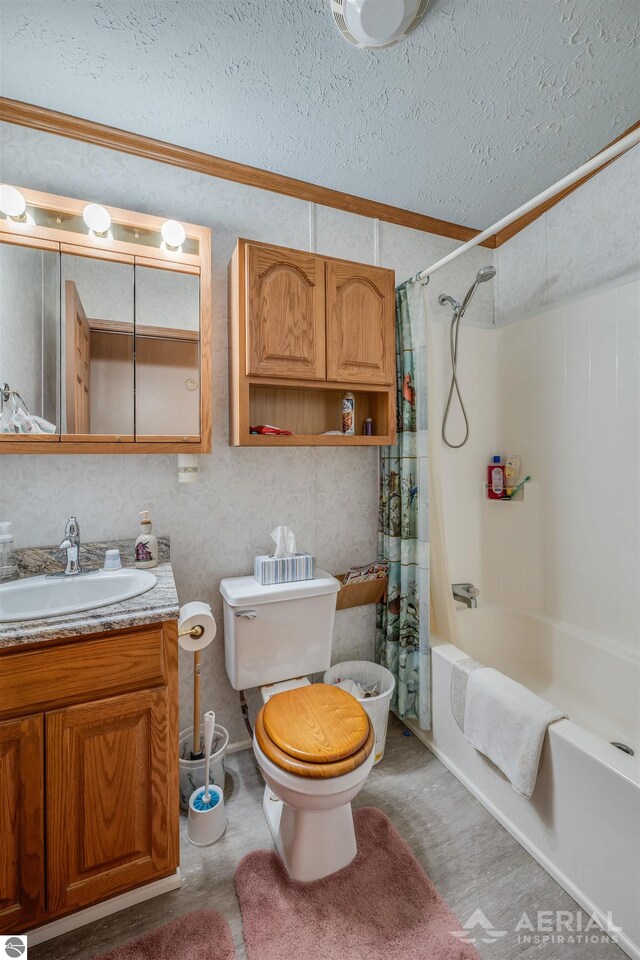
[279, 631]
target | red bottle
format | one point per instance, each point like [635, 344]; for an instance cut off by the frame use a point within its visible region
[495, 479]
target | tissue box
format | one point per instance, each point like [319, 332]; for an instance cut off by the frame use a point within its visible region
[301, 566]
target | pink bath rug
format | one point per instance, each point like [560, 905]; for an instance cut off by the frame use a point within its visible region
[203, 935]
[381, 907]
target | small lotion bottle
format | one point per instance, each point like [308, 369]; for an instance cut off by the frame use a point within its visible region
[511, 473]
[146, 544]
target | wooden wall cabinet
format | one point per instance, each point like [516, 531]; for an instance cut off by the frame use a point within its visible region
[89, 785]
[285, 314]
[360, 323]
[304, 330]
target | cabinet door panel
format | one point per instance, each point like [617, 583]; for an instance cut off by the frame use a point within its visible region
[285, 313]
[111, 803]
[360, 323]
[21, 823]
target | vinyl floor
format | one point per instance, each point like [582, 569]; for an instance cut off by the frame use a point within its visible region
[474, 862]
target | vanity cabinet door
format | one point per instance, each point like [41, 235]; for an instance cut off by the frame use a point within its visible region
[285, 313]
[360, 323]
[21, 823]
[112, 804]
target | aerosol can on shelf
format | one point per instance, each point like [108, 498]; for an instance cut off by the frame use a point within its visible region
[146, 544]
[349, 414]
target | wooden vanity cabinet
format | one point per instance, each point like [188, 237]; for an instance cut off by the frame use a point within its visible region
[21, 822]
[304, 330]
[89, 785]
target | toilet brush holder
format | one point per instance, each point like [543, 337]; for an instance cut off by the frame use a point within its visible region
[205, 826]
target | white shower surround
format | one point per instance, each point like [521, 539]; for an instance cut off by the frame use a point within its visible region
[563, 564]
[582, 823]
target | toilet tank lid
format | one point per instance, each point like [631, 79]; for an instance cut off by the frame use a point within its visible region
[241, 591]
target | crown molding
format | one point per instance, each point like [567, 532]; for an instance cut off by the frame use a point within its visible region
[87, 131]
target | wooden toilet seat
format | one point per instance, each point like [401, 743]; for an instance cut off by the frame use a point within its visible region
[317, 731]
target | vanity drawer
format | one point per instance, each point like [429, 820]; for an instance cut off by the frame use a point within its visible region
[84, 670]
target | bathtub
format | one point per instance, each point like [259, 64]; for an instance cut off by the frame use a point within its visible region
[582, 823]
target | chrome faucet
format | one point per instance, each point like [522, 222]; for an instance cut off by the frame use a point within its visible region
[466, 593]
[71, 544]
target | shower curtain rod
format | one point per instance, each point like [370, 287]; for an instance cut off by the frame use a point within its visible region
[601, 158]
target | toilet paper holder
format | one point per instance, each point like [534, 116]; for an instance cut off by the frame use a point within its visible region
[196, 622]
[195, 632]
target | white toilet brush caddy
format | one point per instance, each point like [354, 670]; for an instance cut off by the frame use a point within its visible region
[207, 819]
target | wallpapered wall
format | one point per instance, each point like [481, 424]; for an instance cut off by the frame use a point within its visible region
[328, 496]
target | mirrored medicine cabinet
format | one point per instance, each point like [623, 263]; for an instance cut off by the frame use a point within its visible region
[105, 330]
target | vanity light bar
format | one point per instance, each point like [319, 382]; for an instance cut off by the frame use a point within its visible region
[97, 220]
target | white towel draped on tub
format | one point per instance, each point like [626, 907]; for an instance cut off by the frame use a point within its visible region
[507, 723]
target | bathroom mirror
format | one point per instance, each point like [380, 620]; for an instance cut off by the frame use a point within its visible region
[167, 352]
[29, 339]
[105, 330]
[97, 347]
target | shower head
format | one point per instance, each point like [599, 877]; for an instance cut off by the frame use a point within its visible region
[485, 273]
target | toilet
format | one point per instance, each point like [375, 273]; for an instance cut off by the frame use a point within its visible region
[313, 742]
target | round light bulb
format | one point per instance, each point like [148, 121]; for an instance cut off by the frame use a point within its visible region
[97, 218]
[173, 233]
[12, 203]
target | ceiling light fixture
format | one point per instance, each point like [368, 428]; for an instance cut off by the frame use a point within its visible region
[12, 203]
[373, 24]
[97, 219]
[173, 234]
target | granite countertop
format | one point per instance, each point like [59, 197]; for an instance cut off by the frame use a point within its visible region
[156, 605]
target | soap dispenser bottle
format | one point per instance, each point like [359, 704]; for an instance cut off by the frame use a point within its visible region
[8, 568]
[146, 544]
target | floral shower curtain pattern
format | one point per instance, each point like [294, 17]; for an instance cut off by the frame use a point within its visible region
[402, 628]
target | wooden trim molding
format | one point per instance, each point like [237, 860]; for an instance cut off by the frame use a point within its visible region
[528, 218]
[76, 128]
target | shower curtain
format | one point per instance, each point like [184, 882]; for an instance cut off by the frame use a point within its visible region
[402, 626]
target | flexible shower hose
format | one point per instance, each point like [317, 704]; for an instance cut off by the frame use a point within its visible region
[454, 331]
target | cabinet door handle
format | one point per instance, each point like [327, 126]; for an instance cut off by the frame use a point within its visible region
[249, 614]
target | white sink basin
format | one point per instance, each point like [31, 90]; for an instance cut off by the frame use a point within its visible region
[38, 598]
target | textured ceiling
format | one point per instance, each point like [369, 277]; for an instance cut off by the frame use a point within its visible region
[485, 104]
